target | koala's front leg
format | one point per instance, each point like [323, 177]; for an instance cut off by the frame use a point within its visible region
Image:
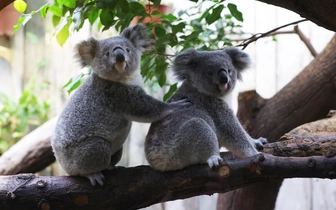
[233, 136]
[141, 107]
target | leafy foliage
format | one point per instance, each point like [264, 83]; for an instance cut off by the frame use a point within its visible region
[18, 117]
[207, 25]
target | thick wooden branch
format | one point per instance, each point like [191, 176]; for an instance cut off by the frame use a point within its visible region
[133, 188]
[31, 154]
[321, 12]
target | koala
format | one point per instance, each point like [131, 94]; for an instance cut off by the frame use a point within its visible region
[194, 136]
[94, 124]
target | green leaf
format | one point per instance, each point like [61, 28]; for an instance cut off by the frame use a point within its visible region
[156, 3]
[215, 15]
[162, 79]
[62, 31]
[124, 5]
[93, 14]
[20, 5]
[137, 8]
[43, 11]
[55, 20]
[22, 21]
[73, 83]
[107, 18]
[56, 10]
[159, 31]
[170, 92]
[178, 28]
[70, 3]
[235, 13]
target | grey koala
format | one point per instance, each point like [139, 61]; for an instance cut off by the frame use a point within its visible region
[194, 135]
[95, 122]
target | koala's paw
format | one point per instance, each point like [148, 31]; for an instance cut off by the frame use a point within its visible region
[214, 161]
[96, 178]
[259, 143]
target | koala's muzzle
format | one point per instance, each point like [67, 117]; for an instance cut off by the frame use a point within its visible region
[222, 76]
[119, 54]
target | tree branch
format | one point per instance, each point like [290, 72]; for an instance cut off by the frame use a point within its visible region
[321, 12]
[305, 40]
[5, 3]
[137, 187]
[257, 36]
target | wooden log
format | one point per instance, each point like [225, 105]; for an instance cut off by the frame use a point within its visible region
[31, 154]
[137, 187]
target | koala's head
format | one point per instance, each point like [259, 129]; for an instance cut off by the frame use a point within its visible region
[115, 58]
[211, 72]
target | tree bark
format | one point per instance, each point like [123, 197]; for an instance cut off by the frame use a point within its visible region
[307, 98]
[5, 3]
[137, 187]
[133, 188]
[320, 12]
[31, 154]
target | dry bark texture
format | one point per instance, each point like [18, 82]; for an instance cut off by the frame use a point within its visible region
[320, 12]
[31, 154]
[133, 188]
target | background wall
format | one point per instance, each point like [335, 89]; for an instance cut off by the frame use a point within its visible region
[33, 50]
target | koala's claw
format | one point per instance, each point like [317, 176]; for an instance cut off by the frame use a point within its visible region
[96, 178]
[214, 161]
[259, 143]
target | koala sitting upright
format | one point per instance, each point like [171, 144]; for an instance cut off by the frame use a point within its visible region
[194, 135]
[95, 122]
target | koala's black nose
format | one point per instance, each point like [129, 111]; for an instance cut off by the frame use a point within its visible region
[119, 54]
[222, 76]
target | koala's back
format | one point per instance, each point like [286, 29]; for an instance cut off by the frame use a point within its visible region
[91, 112]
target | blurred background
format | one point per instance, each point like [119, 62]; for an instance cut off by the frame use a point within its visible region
[34, 68]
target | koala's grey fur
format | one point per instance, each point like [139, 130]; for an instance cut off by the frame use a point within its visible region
[97, 119]
[194, 135]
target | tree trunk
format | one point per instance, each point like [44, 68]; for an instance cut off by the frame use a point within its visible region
[308, 97]
[31, 154]
[321, 12]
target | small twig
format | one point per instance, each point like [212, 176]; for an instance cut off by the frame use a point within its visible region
[305, 40]
[255, 37]
[271, 34]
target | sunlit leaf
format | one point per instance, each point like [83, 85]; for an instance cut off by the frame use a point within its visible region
[70, 3]
[55, 10]
[22, 21]
[20, 5]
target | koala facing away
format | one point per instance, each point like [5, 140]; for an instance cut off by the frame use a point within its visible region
[97, 119]
[194, 135]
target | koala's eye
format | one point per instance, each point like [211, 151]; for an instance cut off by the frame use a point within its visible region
[107, 54]
[230, 71]
[209, 73]
[128, 50]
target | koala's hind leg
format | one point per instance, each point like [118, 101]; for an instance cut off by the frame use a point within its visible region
[93, 155]
[198, 144]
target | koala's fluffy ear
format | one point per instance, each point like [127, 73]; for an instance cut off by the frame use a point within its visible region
[240, 59]
[86, 51]
[183, 62]
[139, 37]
